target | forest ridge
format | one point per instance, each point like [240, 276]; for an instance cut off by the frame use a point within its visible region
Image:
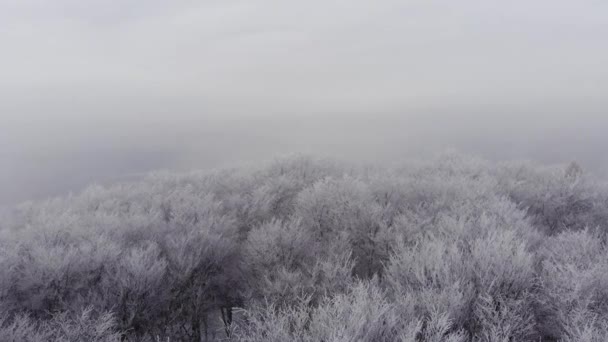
[452, 249]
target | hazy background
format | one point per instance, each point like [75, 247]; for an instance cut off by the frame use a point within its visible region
[103, 90]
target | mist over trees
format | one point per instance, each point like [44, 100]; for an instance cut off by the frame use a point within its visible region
[302, 249]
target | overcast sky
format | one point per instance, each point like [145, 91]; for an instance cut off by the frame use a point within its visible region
[98, 89]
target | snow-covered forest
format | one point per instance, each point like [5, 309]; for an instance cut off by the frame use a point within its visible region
[302, 249]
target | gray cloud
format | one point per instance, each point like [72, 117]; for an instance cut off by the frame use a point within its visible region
[329, 51]
[154, 84]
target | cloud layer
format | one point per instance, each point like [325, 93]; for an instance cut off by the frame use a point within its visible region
[96, 89]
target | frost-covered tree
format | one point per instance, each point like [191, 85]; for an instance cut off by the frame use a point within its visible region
[452, 249]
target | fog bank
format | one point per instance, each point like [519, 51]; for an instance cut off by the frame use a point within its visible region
[107, 90]
[54, 156]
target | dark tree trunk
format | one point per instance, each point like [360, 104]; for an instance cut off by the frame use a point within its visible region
[227, 319]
